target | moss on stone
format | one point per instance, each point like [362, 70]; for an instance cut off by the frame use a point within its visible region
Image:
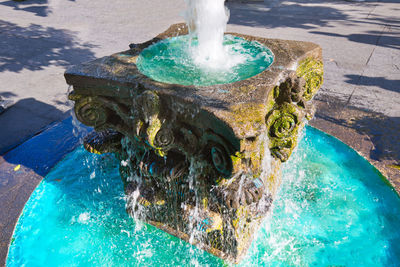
[312, 71]
[276, 92]
[248, 118]
[395, 166]
[151, 131]
[283, 123]
[244, 90]
[237, 161]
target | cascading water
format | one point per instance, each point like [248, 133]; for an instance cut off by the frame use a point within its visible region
[333, 210]
[207, 20]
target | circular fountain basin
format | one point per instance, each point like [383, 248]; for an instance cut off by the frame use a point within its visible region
[333, 208]
[172, 61]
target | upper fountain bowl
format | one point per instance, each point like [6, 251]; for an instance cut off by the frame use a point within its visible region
[176, 60]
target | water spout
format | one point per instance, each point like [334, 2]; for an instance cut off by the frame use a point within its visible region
[207, 21]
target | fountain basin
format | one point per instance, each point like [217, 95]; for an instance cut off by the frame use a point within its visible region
[318, 219]
[199, 162]
[173, 61]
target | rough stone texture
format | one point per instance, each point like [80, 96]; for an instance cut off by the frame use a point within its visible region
[194, 159]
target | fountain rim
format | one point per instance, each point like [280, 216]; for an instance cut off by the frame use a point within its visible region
[352, 150]
[117, 76]
[179, 29]
[235, 35]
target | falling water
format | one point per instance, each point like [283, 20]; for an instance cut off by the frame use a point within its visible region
[207, 21]
[319, 217]
[206, 56]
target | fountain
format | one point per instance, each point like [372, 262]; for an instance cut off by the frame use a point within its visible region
[199, 159]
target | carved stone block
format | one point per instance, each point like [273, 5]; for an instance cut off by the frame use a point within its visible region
[201, 163]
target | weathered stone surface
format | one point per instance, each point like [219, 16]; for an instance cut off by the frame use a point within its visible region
[196, 160]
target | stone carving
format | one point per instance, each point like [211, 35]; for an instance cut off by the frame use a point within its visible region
[196, 161]
[283, 123]
[312, 71]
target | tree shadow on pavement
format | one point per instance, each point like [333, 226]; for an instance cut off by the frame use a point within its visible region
[381, 82]
[381, 130]
[38, 7]
[278, 14]
[391, 40]
[384, 132]
[36, 47]
[321, 17]
[24, 119]
[7, 94]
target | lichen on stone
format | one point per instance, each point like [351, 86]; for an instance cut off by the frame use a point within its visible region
[247, 118]
[312, 71]
[282, 125]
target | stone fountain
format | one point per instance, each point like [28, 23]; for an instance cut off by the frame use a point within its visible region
[199, 162]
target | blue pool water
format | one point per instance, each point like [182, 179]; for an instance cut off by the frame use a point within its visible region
[333, 209]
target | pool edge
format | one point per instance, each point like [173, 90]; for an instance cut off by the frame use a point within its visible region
[342, 121]
[23, 168]
[375, 168]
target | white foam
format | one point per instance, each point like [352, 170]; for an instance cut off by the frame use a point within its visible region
[84, 218]
[207, 21]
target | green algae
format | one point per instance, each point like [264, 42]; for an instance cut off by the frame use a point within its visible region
[312, 71]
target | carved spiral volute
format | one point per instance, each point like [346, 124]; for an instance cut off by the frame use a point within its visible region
[164, 138]
[282, 124]
[283, 121]
[90, 111]
[218, 154]
[221, 160]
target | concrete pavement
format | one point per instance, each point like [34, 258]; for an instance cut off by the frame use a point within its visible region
[39, 39]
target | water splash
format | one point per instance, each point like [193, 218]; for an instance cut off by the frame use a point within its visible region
[207, 20]
[173, 61]
[326, 214]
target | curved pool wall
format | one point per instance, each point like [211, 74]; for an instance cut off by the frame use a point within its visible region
[334, 208]
[24, 167]
[173, 61]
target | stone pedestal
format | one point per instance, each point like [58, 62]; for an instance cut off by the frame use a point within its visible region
[201, 163]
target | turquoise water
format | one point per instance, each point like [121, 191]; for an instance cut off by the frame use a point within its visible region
[333, 208]
[173, 61]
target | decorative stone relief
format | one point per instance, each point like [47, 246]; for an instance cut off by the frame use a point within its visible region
[195, 161]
